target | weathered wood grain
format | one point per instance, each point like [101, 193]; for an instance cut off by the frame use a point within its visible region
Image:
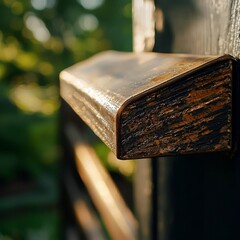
[191, 115]
[200, 194]
[148, 104]
[198, 27]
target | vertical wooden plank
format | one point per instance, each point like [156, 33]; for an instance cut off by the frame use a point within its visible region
[142, 192]
[143, 40]
[197, 195]
[202, 190]
[199, 26]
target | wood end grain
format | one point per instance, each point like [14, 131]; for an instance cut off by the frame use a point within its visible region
[190, 115]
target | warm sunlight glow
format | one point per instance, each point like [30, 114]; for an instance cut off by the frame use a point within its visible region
[33, 98]
[143, 25]
[159, 20]
[125, 167]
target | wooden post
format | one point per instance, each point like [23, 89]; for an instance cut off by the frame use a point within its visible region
[197, 195]
[150, 105]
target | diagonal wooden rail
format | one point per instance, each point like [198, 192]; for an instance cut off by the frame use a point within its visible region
[119, 220]
[85, 214]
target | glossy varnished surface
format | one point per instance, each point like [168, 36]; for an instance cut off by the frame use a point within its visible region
[102, 89]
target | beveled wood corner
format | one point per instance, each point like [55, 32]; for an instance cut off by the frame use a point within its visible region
[145, 105]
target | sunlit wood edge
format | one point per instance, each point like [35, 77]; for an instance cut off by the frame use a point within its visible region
[85, 215]
[118, 218]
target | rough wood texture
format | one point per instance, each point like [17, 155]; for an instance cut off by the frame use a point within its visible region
[148, 104]
[199, 196]
[198, 27]
[191, 115]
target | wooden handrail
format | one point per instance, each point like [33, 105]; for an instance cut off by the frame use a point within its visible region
[118, 218]
[148, 104]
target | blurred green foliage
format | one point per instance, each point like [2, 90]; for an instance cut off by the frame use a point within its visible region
[38, 39]
[39, 225]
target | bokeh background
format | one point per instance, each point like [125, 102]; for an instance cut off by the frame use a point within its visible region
[38, 39]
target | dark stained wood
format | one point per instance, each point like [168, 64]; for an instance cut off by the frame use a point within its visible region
[198, 27]
[198, 195]
[192, 115]
[148, 104]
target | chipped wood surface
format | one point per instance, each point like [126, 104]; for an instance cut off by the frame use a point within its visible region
[148, 104]
[194, 116]
[200, 193]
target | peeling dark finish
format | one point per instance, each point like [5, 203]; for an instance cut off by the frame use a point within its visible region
[191, 115]
[148, 104]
